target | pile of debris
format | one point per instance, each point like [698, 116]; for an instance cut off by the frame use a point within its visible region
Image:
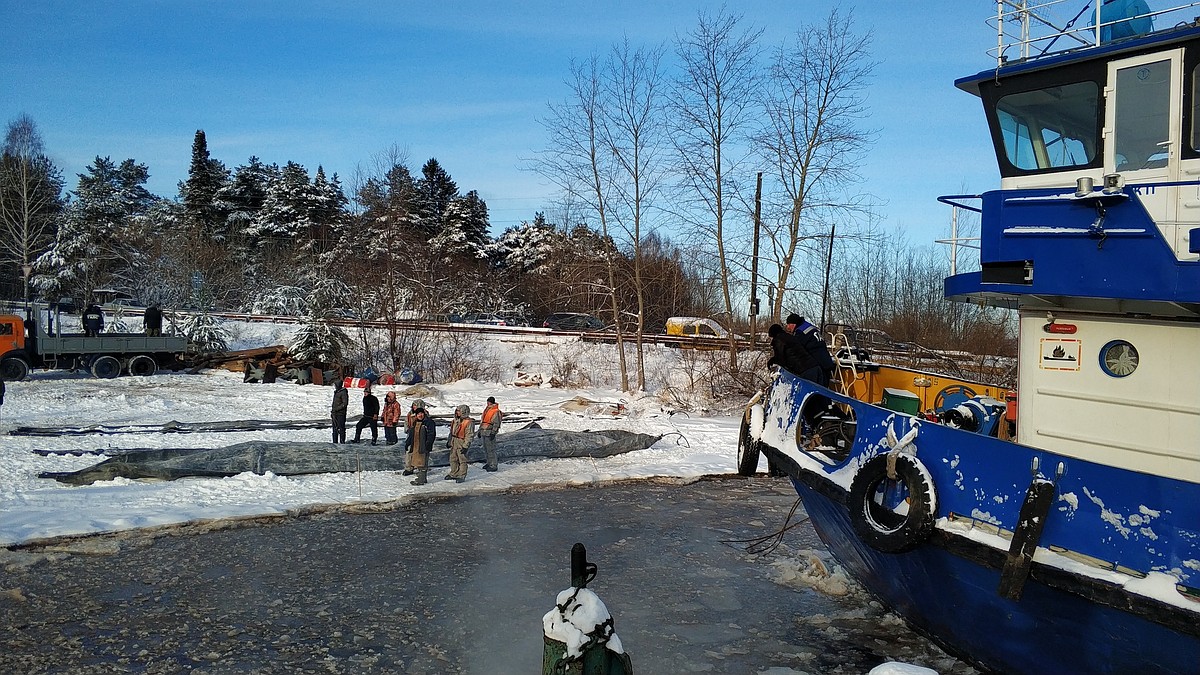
[269, 364]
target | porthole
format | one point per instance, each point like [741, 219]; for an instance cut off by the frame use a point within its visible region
[1118, 358]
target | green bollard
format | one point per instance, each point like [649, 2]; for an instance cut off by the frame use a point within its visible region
[596, 657]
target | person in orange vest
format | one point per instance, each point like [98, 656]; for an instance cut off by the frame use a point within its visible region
[462, 430]
[489, 424]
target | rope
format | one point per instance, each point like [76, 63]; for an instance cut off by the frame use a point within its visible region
[770, 542]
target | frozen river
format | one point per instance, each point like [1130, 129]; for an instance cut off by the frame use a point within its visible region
[454, 585]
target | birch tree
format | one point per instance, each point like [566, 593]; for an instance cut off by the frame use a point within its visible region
[634, 133]
[712, 107]
[814, 139]
[577, 162]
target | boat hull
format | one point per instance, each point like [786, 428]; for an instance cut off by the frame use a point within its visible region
[954, 600]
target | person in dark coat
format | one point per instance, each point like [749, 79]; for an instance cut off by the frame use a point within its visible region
[93, 320]
[341, 401]
[787, 353]
[1, 392]
[809, 339]
[419, 442]
[370, 417]
[152, 320]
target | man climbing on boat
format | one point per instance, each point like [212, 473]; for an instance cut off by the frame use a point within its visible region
[806, 336]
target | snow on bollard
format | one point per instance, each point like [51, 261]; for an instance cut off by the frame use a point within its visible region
[578, 634]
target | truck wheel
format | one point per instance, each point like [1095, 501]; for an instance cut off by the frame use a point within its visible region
[142, 366]
[13, 369]
[106, 367]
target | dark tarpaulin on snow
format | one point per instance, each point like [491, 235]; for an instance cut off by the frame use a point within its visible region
[294, 459]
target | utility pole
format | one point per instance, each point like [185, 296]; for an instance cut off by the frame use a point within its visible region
[828, 265]
[754, 263]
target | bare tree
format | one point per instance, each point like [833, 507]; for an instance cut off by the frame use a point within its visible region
[575, 162]
[712, 106]
[813, 139]
[634, 133]
[30, 196]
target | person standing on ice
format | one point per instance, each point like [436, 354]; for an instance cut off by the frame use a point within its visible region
[370, 417]
[409, 419]
[462, 430]
[341, 401]
[390, 417]
[489, 425]
[419, 443]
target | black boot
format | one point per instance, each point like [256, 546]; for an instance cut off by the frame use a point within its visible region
[421, 475]
[406, 472]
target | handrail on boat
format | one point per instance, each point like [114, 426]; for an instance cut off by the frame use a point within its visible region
[1041, 24]
[953, 200]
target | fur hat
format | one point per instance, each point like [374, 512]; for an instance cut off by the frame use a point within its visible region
[463, 410]
[418, 403]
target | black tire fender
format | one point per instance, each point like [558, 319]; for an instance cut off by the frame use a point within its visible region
[886, 529]
[748, 449]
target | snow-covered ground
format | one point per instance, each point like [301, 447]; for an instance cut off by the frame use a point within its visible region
[34, 508]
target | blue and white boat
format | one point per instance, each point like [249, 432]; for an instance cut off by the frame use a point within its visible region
[1073, 547]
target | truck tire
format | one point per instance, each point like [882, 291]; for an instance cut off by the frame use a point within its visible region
[13, 369]
[142, 365]
[106, 367]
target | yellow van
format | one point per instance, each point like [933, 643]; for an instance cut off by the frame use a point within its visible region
[691, 326]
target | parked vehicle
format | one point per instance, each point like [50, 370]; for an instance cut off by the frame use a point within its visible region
[572, 321]
[695, 327]
[39, 344]
[485, 319]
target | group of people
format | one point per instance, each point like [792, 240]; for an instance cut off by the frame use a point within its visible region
[93, 320]
[799, 348]
[420, 431]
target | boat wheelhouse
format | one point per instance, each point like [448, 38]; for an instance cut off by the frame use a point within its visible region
[1075, 546]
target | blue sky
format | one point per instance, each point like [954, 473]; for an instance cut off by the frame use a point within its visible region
[334, 83]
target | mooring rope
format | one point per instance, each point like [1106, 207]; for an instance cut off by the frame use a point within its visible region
[770, 542]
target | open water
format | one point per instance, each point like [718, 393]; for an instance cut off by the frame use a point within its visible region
[455, 585]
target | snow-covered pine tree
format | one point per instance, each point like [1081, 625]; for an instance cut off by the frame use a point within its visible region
[206, 332]
[435, 191]
[282, 301]
[199, 193]
[243, 196]
[318, 340]
[284, 212]
[530, 248]
[464, 233]
[98, 239]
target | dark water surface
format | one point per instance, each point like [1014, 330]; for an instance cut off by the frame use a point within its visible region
[451, 586]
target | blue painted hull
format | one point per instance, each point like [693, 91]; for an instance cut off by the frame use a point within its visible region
[954, 601]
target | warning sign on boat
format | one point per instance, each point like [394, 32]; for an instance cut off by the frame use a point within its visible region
[1060, 354]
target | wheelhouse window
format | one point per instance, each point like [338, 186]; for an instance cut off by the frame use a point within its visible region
[1052, 128]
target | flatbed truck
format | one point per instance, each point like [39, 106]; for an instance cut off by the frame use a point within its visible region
[27, 344]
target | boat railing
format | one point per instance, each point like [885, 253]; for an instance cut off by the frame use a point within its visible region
[1030, 29]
